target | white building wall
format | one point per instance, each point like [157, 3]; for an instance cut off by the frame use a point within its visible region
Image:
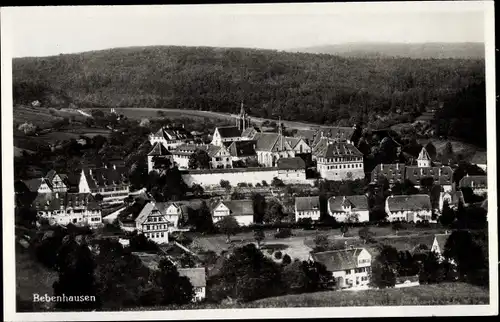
[327, 171]
[363, 215]
[235, 177]
[313, 214]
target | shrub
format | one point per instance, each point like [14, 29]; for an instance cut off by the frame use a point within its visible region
[270, 251]
[27, 128]
[258, 184]
[286, 259]
[264, 183]
[283, 233]
[242, 184]
[278, 255]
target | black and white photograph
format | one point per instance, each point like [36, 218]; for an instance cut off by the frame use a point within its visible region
[249, 161]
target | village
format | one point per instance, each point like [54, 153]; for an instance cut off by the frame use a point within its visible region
[250, 186]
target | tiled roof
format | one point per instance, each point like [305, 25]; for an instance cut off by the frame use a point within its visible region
[196, 275]
[50, 175]
[249, 132]
[393, 172]
[474, 182]
[356, 202]
[188, 149]
[150, 206]
[212, 150]
[336, 133]
[34, 184]
[295, 163]
[292, 141]
[238, 207]
[173, 133]
[229, 131]
[265, 141]
[306, 203]
[105, 177]
[328, 149]
[159, 149]
[338, 260]
[409, 202]
[54, 201]
[456, 197]
[242, 148]
[423, 155]
[442, 175]
[308, 135]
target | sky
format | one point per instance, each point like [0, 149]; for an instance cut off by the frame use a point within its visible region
[45, 31]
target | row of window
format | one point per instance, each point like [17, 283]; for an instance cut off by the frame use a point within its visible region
[221, 159]
[154, 235]
[155, 227]
[345, 166]
[361, 270]
[339, 159]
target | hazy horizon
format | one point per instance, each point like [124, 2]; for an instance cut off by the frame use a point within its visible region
[65, 30]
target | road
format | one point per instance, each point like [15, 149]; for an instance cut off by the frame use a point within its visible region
[219, 115]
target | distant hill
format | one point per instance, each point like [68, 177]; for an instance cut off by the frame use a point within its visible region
[314, 88]
[416, 51]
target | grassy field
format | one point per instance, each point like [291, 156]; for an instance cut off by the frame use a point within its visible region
[458, 147]
[31, 278]
[40, 117]
[439, 294]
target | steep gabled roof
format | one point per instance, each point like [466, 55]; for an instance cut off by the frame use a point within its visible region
[159, 150]
[307, 203]
[308, 135]
[393, 172]
[229, 131]
[441, 240]
[409, 202]
[423, 155]
[34, 184]
[50, 175]
[334, 133]
[292, 141]
[250, 132]
[238, 207]
[57, 200]
[479, 157]
[104, 177]
[151, 206]
[242, 148]
[338, 260]
[295, 163]
[265, 141]
[356, 202]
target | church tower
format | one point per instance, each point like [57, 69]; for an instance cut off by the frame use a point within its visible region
[423, 160]
[243, 121]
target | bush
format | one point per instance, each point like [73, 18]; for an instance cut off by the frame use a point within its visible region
[258, 184]
[270, 251]
[264, 183]
[278, 255]
[27, 128]
[283, 233]
[242, 184]
[286, 259]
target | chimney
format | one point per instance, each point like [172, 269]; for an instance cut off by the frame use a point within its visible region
[57, 194]
[381, 167]
[421, 171]
[439, 171]
[397, 166]
[90, 171]
[114, 166]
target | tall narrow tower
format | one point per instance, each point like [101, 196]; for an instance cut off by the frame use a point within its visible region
[242, 121]
[280, 133]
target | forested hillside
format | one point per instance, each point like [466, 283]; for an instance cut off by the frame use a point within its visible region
[298, 86]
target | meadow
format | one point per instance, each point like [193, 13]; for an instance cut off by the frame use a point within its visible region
[437, 294]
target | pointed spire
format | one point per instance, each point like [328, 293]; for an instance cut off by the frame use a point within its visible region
[280, 134]
[242, 109]
[424, 155]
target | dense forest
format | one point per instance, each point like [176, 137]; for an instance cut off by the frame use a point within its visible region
[317, 88]
[463, 116]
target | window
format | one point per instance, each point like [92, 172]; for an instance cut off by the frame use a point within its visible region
[161, 234]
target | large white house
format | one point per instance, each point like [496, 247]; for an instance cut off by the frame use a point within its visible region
[411, 208]
[292, 169]
[338, 160]
[110, 182]
[307, 207]
[63, 208]
[349, 208]
[220, 158]
[158, 151]
[38, 185]
[241, 210]
[171, 137]
[350, 267]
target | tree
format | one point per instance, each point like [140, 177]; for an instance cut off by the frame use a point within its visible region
[199, 159]
[385, 268]
[448, 215]
[162, 164]
[467, 254]
[278, 255]
[140, 243]
[259, 207]
[365, 234]
[286, 260]
[27, 128]
[321, 243]
[248, 275]
[274, 212]
[75, 266]
[144, 123]
[175, 289]
[259, 236]
[197, 189]
[228, 226]
[277, 182]
[344, 229]
[352, 217]
[202, 219]
[405, 188]
[225, 184]
[264, 183]
[432, 271]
